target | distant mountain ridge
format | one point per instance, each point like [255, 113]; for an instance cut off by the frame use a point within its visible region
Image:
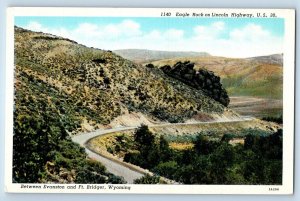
[269, 59]
[142, 55]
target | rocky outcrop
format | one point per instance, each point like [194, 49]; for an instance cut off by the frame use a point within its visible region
[202, 79]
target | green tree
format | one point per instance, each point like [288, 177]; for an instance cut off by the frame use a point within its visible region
[221, 161]
[203, 145]
[143, 137]
[34, 137]
[165, 153]
[201, 170]
[167, 169]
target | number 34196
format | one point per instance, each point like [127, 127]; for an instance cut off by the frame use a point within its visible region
[274, 189]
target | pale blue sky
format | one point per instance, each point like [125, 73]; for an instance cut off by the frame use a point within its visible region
[217, 36]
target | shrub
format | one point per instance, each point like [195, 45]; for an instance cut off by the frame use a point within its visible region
[166, 169]
[147, 179]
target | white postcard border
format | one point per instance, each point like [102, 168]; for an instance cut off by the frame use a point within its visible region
[288, 105]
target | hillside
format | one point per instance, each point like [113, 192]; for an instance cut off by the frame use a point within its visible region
[258, 76]
[143, 55]
[63, 88]
[92, 87]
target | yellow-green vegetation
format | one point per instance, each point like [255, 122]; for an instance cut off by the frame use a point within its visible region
[114, 143]
[181, 145]
[240, 77]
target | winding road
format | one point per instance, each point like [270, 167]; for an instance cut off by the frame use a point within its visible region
[119, 169]
[113, 167]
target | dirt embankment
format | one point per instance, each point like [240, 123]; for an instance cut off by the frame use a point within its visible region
[133, 119]
[218, 127]
[136, 119]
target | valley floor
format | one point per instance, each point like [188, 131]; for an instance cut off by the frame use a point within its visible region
[256, 107]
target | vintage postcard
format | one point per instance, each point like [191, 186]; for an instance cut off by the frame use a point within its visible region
[144, 100]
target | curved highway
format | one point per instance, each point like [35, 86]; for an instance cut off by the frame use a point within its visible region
[117, 168]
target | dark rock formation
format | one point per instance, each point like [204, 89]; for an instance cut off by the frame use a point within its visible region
[202, 79]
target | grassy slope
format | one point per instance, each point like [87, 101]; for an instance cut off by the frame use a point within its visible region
[69, 68]
[95, 92]
[241, 76]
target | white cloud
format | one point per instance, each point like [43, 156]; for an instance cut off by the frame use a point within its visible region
[174, 34]
[34, 26]
[251, 32]
[125, 28]
[60, 31]
[155, 34]
[130, 27]
[247, 41]
[251, 40]
[209, 32]
[218, 26]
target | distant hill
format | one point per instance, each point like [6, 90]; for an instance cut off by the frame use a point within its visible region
[143, 55]
[276, 59]
[257, 76]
